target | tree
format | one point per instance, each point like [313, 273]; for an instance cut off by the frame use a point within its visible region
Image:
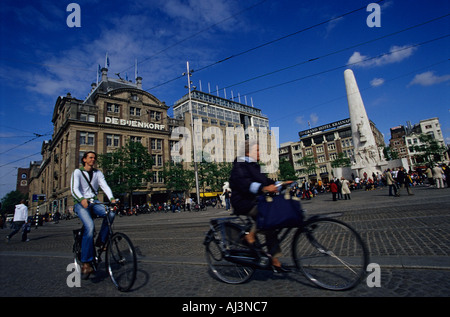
[341, 161]
[287, 171]
[177, 178]
[222, 175]
[309, 164]
[429, 151]
[10, 200]
[213, 174]
[389, 154]
[127, 169]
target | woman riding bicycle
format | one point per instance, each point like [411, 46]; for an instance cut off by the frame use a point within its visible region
[247, 183]
[84, 185]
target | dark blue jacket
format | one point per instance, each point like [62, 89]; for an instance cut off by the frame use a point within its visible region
[243, 174]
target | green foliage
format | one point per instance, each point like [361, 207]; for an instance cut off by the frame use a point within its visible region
[287, 171]
[10, 200]
[389, 154]
[429, 151]
[128, 168]
[177, 178]
[341, 161]
[309, 164]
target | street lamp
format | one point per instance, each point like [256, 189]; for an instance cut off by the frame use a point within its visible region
[189, 73]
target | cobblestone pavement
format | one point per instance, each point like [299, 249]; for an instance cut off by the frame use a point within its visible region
[407, 236]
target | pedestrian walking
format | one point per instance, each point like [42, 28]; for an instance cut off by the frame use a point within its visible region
[446, 169]
[227, 196]
[429, 174]
[404, 180]
[437, 176]
[345, 188]
[390, 182]
[19, 221]
[333, 189]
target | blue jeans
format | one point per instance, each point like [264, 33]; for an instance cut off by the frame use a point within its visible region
[87, 244]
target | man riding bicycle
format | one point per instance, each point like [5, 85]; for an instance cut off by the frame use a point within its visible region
[247, 182]
[84, 185]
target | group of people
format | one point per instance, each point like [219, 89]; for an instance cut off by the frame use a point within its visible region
[438, 175]
[340, 189]
[398, 178]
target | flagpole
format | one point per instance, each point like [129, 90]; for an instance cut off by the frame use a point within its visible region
[135, 68]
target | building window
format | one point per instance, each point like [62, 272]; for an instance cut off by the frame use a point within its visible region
[112, 140]
[156, 144]
[87, 117]
[319, 149]
[155, 115]
[112, 108]
[331, 146]
[86, 138]
[157, 160]
[135, 111]
[136, 139]
[321, 159]
[157, 177]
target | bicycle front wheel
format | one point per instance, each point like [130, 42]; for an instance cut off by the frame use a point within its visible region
[330, 253]
[121, 261]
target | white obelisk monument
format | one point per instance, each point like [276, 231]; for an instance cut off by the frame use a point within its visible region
[367, 156]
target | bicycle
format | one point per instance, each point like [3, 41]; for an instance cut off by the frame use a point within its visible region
[120, 257]
[329, 252]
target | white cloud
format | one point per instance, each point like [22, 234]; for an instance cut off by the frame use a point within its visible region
[396, 54]
[428, 79]
[313, 119]
[377, 82]
[73, 69]
[300, 120]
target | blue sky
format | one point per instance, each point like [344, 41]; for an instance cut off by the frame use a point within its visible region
[287, 57]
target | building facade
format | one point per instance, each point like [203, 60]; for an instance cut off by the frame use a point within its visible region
[224, 123]
[404, 138]
[323, 145]
[115, 112]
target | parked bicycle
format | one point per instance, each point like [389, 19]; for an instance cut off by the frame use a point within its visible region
[120, 255]
[329, 252]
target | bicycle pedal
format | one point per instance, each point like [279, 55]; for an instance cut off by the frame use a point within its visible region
[264, 261]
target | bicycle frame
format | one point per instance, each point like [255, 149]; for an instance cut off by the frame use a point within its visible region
[255, 257]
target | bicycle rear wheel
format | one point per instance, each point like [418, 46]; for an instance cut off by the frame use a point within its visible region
[121, 261]
[228, 272]
[330, 253]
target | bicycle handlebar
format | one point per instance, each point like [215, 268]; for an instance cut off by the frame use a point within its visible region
[283, 184]
[104, 203]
